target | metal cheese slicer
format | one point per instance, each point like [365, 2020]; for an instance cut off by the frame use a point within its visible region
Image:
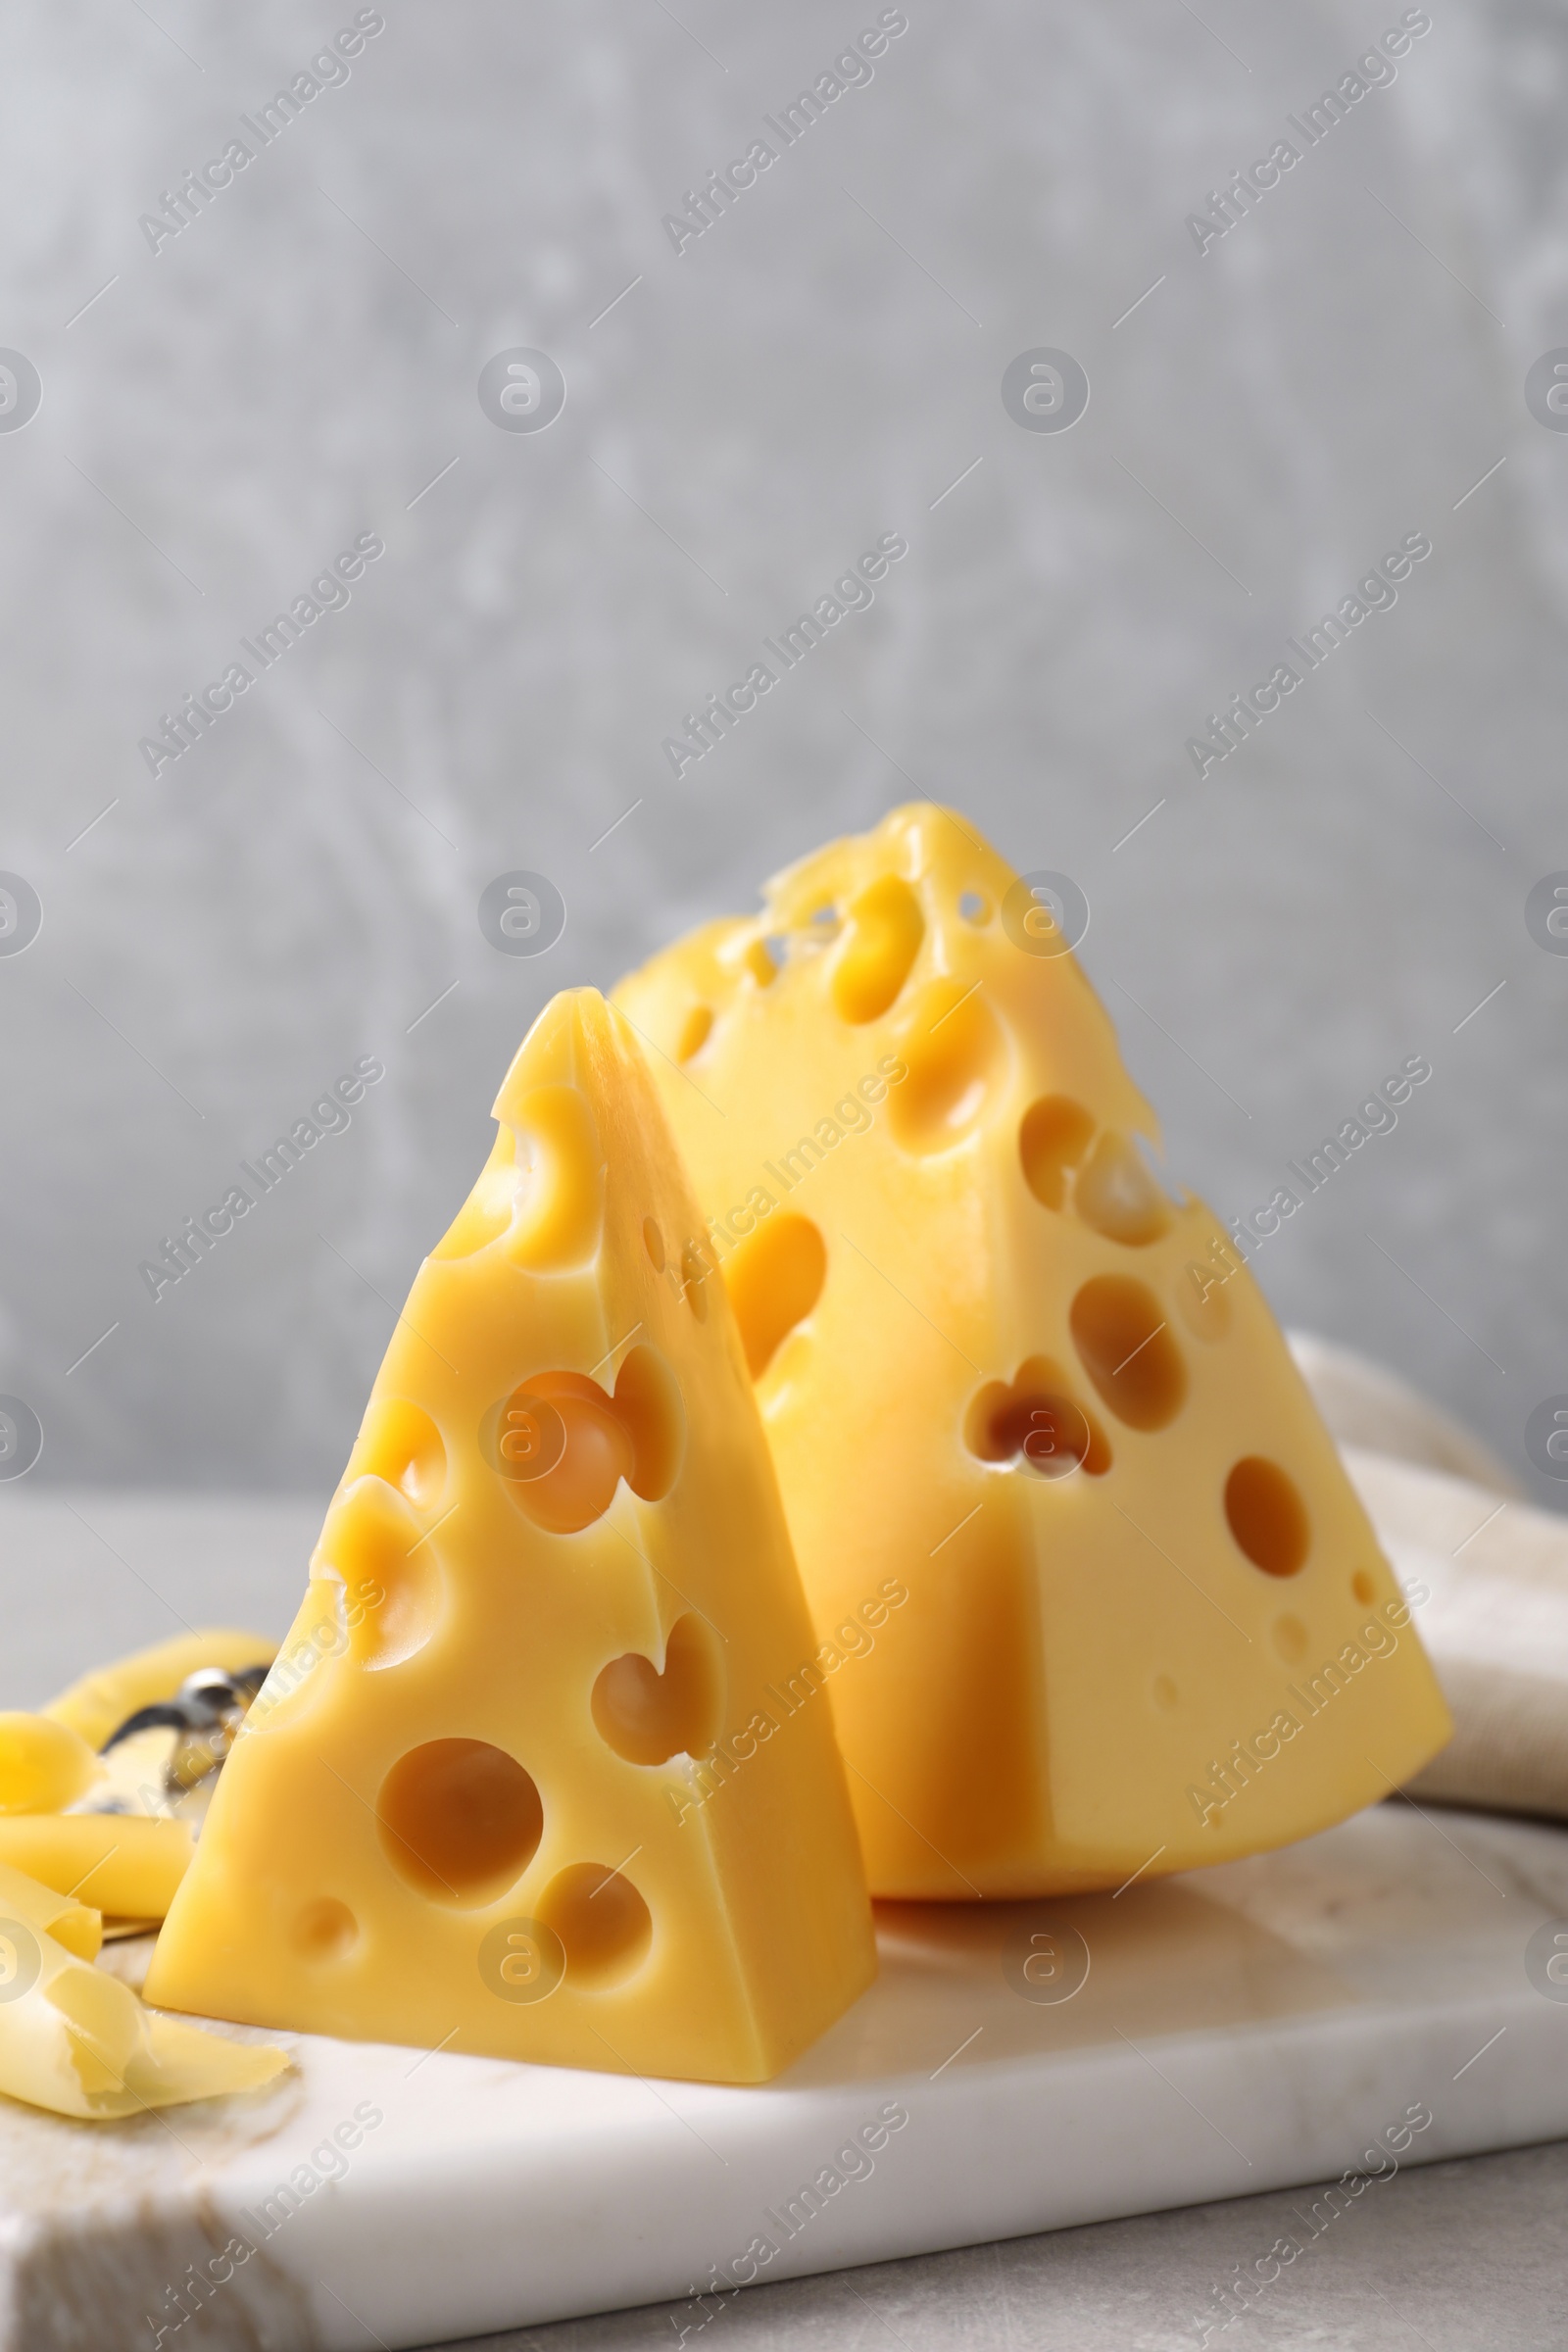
[204, 1715]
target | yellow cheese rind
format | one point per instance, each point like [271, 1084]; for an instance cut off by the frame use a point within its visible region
[100, 1701]
[1025, 1384]
[120, 1863]
[44, 1765]
[78, 2042]
[529, 1714]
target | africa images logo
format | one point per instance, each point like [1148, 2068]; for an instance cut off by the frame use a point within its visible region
[327, 593]
[179, 207]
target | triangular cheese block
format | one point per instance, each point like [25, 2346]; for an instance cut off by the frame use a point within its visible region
[516, 1783]
[1147, 1624]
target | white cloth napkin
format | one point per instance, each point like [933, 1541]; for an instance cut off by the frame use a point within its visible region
[1494, 1568]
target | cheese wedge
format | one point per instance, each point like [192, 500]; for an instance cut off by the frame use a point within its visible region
[1147, 1625]
[517, 1782]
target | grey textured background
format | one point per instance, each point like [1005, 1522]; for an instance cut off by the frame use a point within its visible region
[301, 361]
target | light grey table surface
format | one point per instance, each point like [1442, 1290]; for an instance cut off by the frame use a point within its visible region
[1455, 2256]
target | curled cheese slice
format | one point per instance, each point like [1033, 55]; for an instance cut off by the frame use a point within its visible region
[98, 1704]
[75, 1926]
[78, 2042]
[44, 1765]
[122, 1863]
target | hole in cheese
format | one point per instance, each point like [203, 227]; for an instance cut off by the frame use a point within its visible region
[1363, 1585]
[881, 941]
[325, 1929]
[1289, 1638]
[653, 1244]
[1165, 1693]
[1037, 1424]
[1055, 1133]
[523, 1436]
[487, 1211]
[693, 1275]
[593, 1451]
[1267, 1516]
[954, 1050]
[602, 1920]
[648, 1717]
[694, 1032]
[974, 906]
[647, 1406]
[400, 1442]
[774, 1280]
[1203, 1299]
[1124, 1339]
[460, 1819]
[561, 1193]
[391, 1581]
[1115, 1194]
[562, 1445]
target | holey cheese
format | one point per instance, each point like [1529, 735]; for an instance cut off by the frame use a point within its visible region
[525, 1779]
[1147, 1624]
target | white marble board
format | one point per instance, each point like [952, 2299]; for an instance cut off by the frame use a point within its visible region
[1253, 2027]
